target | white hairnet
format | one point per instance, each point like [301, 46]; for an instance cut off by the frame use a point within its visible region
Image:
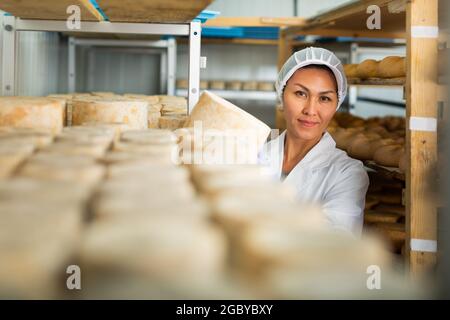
[310, 56]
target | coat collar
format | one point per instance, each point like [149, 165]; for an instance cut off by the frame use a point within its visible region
[318, 157]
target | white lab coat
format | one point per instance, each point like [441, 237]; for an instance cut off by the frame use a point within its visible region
[327, 176]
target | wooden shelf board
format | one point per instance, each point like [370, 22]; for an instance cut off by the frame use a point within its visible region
[376, 82]
[388, 172]
[158, 11]
[50, 9]
[352, 19]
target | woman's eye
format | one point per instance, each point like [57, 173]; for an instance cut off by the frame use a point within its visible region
[300, 93]
[325, 99]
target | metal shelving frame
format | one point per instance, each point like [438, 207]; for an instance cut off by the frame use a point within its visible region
[13, 25]
[166, 49]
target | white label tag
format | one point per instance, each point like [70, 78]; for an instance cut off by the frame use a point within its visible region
[423, 124]
[423, 245]
[424, 31]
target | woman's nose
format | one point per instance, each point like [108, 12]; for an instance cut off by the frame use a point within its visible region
[310, 108]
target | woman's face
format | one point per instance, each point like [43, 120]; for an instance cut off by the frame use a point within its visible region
[310, 100]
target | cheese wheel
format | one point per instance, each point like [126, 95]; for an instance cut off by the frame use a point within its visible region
[11, 156]
[164, 249]
[397, 209]
[151, 136]
[153, 119]
[392, 67]
[150, 99]
[158, 152]
[250, 85]
[42, 191]
[374, 216]
[214, 112]
[79, 169]
[233, 85]
[268, 246]
[217, 85]
[100, 134]
[76, 148]
[370, 202]
[204, 85]
[350, 70]
[389, 155]
[172, 122]
[182, 84]
[134, 113]
[367, 69]
[359, 148]
[32, 112]
[25, 136]
[265, 86]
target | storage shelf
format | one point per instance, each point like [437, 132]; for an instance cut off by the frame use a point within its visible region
[238, 95]
[376, 82]
[387, 172]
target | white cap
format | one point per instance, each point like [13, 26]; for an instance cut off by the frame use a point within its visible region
[310, 56]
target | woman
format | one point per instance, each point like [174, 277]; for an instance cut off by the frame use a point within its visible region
[312, 85]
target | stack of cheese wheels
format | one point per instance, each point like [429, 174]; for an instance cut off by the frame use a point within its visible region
[32, 112]
[38, 237]
[389, 155]
[149, 222]
[392, 67]
[154, 107]
[12, 155]
[172, 121]
[111, 110]
[213, 112]
[389, 67]
[160, 145]
[367, 69]
[66, 102]
[350, 70]
[217, 85]
[79, 169]
[278, 234]
[288, 260]
[233, 85]
[250, 86]
[37, 137]
[87, 140]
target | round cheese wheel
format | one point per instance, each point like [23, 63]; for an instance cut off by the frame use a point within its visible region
[250, 85]
[182, 83]
[204, 85]
[153, 119]
[166, 248]
[217, 85]
[172, 122]
[388, 156]
[367, 69]
[76, 148]
[32, 112]
[152, 100]
[350, 70]
[266, 86]
[392, 67]
[213, 112]
[374, 216]
[134, 113]
[79, 169]
[233, 85]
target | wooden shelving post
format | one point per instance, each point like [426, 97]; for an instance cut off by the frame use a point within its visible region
[421, 137]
